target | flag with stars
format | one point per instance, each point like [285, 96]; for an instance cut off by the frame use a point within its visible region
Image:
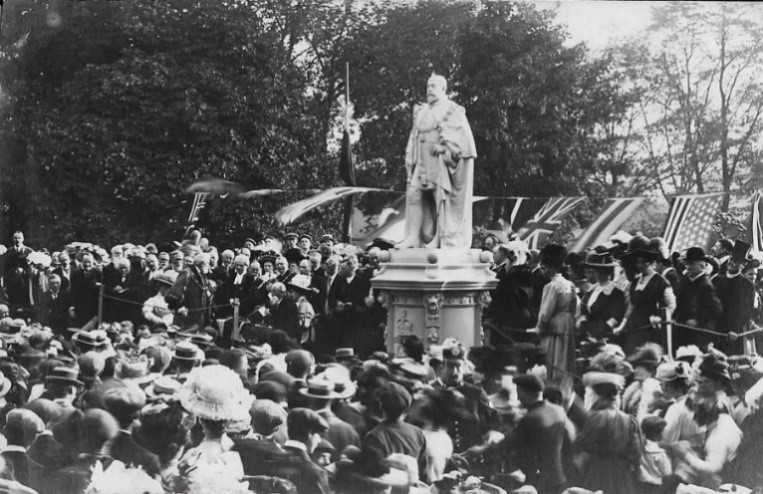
[690, 221]
[547, 220]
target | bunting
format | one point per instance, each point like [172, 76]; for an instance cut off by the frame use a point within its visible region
[541, 226]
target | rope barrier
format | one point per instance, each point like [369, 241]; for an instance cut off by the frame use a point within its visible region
[131, 302]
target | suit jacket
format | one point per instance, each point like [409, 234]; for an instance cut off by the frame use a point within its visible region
[295, 465]
[675, 279]
[191, 291]
[285, 317]
[84, 293]
[698, 301]
[353, 293]
[258, 456]
[125, 449]
[538, 439]
[228, 290]
[54, 313]
[340, 433]
[510, 305]
[16, 259]
[66, 281]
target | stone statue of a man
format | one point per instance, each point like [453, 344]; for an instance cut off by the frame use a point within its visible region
[439, 160]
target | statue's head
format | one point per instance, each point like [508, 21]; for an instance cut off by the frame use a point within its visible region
[436, 87]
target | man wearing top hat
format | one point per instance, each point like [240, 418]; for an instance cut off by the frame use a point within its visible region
[698, 305]
[737, 296]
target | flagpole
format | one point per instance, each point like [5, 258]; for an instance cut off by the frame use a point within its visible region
[349, 202]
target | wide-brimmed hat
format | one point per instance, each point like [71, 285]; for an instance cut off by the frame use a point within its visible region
[320, 388]
[5, 385]
[215, 392]
[714, 368]
[66, 375]
[186, 350]
[339, 375]
[641, 246]
[164, 385]
[695, 254]
[91, 339]
[647, 356]
[670, 371]
[600, 260]
[553, 255]
[301, 284]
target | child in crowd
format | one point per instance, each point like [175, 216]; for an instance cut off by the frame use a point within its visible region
[655, 463]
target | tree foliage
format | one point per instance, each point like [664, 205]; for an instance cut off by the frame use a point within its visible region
[110, 109]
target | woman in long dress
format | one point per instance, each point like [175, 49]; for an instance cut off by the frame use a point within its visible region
[556, 318]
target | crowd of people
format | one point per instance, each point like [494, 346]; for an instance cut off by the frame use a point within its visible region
[182, 368]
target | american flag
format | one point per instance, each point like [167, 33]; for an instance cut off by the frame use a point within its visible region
[690, 220]
[547, 220]
[754, 235]
[614, 214]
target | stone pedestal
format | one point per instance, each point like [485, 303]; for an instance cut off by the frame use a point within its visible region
[434, 294]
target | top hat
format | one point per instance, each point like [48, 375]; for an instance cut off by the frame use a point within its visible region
[695, 254]
[740, 251]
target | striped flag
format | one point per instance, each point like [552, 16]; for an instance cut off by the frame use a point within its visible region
[754, 235]
[547, 220]
[690, 221]
[199, 201]
[291, 213]
[614, 214]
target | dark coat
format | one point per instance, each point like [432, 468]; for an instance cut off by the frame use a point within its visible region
[399, 437]
[125, 449]
[675, 279]
[511, 306]
[737, 296]
[54, 313]
[258, 456]
[285, 316]
[538, 439]
[66, 281]
[698, 301]
[604, 308]
[296, 466]
[45, 456]
[228, 291]
[191, 290]
[84, 293]
[352, 323]
[340, 433]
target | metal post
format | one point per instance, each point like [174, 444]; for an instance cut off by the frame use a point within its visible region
[234, 335]
[100, 303]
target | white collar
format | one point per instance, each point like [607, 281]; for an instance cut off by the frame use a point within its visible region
[729, 275]
[295, 444]
[14, 448]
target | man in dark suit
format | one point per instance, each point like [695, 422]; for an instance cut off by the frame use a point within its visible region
[698, 305]
[283, 312]
[53, 309]
[124, 404]
[305, 428]
[190, 294]
[84, 291]
[538, 437]
[64, 271]
[348, 302]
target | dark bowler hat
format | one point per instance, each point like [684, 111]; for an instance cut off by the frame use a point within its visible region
[695, 254]
[66, 375]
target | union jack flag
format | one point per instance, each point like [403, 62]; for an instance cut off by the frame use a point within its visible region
[690, 221]
[547, 220]
[615, 213]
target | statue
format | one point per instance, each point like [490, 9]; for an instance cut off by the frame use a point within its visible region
[439, 161]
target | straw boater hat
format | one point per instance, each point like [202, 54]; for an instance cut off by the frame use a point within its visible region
[66, 375]
[215, 392]
[339, 376]
[323, 389]
[185, 350]
[90, 339]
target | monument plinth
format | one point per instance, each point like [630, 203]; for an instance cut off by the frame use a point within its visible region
[434, 294]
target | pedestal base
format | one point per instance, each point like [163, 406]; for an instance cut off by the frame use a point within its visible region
[434, 294]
